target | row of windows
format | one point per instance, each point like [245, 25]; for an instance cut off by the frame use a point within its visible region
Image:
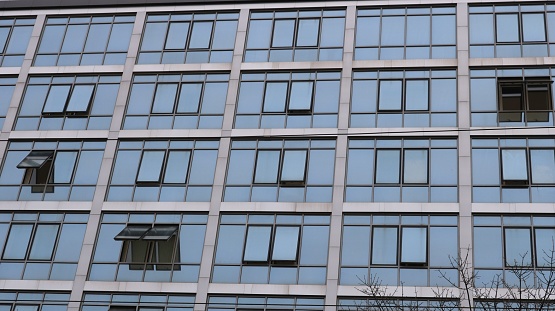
[414, 250]
[378, 170]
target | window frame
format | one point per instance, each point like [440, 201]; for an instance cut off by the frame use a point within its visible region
[525, 105]
[401, 176]
[273, 235]
[280, 167]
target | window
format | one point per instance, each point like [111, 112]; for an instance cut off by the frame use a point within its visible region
[174, 171]
[272, 249]
[34, 300]
[404, 98]
[7, 86]
[40, 246]
[503, 244]
[412, 250]
[513, 170]
[68, 103]
[399, 303]
[187, 101]
[511, 97]
[430, 33]
[179, 38]
[280, 170]
[159, 247]
[408, 170]
[47, 170]
[14, 38]
[261, 303]
[137, 302]
[511, 31]
[288, 100]
[84, 40]
[295, 36]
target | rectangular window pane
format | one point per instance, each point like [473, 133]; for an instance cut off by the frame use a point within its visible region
[415, 167]
[258, 244]
[160, 233]
[267, 164]
[393, 31]
[294, 166]
[260, 33]
[301, 96]
[283, 33]
[97, 38]
[80, 98]
[43, 244]
[75, 38]
[387, 166]
[507, 27]
[416, 95]
[35, 159]
[64, 165]
[545, 240]
[151, 166]
[286, 243]
[177, 36]
[414, 245]
[518, 251]
[514, 165]
[418, 30]
[57, 98]
[308, 32]
[200, 36]
[18, 240]
[533, 27]
[132, 233]
[543, 166]
[275, 97]
[189, 97]
[391, 95]
[384, 246]
[165, 98]
[177, 167]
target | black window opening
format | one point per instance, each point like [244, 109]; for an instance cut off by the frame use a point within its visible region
[38, 167]
[528, 100]
[156, 247]
[265, 243]
[288, 168]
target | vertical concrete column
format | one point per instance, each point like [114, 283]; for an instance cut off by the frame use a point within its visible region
[465, 179]
[347, 71]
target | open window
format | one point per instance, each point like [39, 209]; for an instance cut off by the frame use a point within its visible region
[37, 165]
[514, 165]
[68, 100]
[528, 100]
[287, 167]
[279, 244]
[157, 246]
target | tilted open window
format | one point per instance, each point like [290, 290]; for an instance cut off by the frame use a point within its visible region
[528, 100]
[37, 165]
[287, 167]
[282, 242]
[68, 99]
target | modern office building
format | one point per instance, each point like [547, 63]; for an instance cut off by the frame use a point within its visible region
[257, 155]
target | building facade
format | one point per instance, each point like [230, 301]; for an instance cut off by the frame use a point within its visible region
[241, 155]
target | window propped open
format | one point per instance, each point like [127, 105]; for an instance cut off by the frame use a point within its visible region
[528, 100]
[151, 167]
[132, 233]
[160, 233]
[293, 167]
[80, 99]
[36, 159]
[286, 242]
[300, 99]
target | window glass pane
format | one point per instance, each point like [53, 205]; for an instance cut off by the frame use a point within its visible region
[286, 243]
[414, 245]
[443, 246]
[80, 98]
[75, 38]
[202, 167]
[393, 30]
[35, 159]
[189, 97]
[391, 95]
[551, 26]
[301, 96]
[70, 242]
[415, 167]
[487, 247]
[267, 164]
[43, 244]
[545, 239]
[275, 97]
[514, 164]
[260, 33]
[160, 233]
[443, 29]
[283, 33]
[360, 167]
[224, 35]
[518, 251]
[294, 165]
[16, 246]
[230, 244]
[151, 166]
[543, 166]
[119, 39]
[19, 40]
[387, 166]
[164, 98]
[258, 243]
[416, 95]
[333, 30]
[52, 39]
[418, 30]
[177, 167]
[57, 97]
[355, 247]
[63, 166]
[177, 36]
[384, 246]
[507, 27]
[97, 38]
[4, 32]
[200, 36]
[533, 27]
[153, 37]
[367, 31]
[308, 32]
[213, 99]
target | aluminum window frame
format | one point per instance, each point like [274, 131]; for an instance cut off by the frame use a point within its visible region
[11, 59]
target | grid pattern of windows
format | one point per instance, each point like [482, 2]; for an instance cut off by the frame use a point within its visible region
[68, 103]
[179, 38]
[84, 40]
[405, 33]
[404, 98]
[407, 170]
[136, 302]
[51, 171]
[236, 303]
[162, 170]
[280, 170]
[512, 30]
[398, 303]
[186, 101]
[295, 36]
[275, 249]
[14, 38]
[412, 250]
[7, 86]
[511, 97]
[513, 170]
[149, 247]
[40, 246]
[288, 100]
[33, 301]
[503, 243]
